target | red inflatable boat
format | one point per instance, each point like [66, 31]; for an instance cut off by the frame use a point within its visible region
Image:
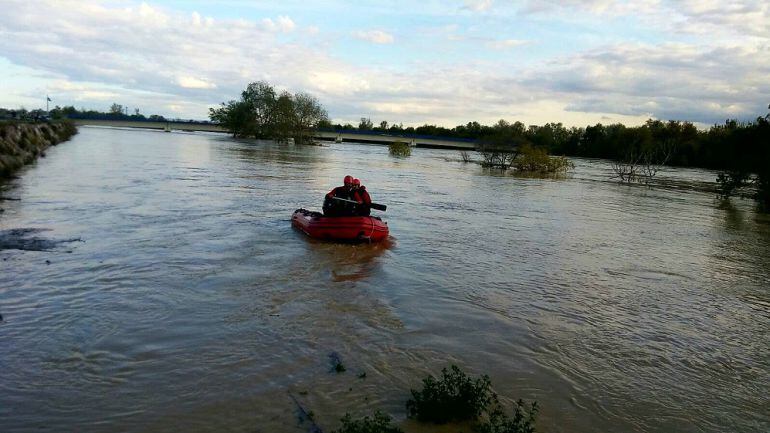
[347, 228]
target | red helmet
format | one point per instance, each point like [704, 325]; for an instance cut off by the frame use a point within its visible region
[356, 182]
[348, 180]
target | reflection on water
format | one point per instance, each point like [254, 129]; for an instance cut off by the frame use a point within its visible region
[348, 262]
[192, 305]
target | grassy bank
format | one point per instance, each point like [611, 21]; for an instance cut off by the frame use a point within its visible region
[21, 143]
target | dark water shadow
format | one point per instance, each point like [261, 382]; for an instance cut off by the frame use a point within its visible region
[27, 239]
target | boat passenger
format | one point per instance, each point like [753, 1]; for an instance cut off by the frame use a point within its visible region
[366, 201]
[333, 207]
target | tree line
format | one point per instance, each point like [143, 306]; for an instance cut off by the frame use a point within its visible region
[741, 150]
[263, 113]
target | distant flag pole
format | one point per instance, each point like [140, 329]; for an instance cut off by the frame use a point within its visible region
[47, 100]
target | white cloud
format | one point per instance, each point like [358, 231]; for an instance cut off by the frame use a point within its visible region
[374, 36]
[478, 5]
[194, 83]
[671, 81]
[154, 58]
[506, 43]
[282, 24]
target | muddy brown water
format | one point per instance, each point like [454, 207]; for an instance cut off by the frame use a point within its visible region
[188, 303]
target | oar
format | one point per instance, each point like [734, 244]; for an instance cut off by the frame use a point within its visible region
[377, 206]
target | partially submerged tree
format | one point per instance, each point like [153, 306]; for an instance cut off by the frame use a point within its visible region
[263, 115]
[750, 164]
[500, 147]
[308, 113]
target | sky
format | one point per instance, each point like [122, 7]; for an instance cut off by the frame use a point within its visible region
[443, 62]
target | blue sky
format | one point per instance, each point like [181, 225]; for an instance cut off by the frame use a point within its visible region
[443, 62]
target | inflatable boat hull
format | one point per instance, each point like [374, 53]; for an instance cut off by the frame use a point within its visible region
[348, 229]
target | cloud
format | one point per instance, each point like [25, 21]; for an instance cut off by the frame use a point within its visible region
[671, 81]
[150, 49]
[141, 55]
[283, 24]
[594, 7]
[477, 5]
[506, 43]
[374, 36]
[735, 17]
[194, 83]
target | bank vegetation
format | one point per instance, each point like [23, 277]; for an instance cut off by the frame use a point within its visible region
[22, 142]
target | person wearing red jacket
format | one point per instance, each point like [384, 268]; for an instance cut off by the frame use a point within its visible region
[333, 207]
[364, 208]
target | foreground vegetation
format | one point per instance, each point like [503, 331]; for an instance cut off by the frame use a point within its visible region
[264, 114]
[453, 397]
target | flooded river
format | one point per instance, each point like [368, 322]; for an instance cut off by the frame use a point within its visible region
[172, 293]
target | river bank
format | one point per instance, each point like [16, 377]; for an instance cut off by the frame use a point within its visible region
[21, 143]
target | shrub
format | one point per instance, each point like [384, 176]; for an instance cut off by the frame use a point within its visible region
[454, 397]
[536, 159]
[523, 420]
[379, 423]
[399, 148]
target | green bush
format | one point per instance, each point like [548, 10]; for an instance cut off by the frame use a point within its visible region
[523, 420]
[379, 423]
[399, 148]
[454, 397]
[537, 160]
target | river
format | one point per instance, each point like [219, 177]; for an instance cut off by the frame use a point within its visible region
[173, 294]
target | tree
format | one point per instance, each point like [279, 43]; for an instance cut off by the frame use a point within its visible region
[235, 116]
[263, 115]
[116, 109]
[500, 147]
[284, 117]
[365, 124]
[308, 113]
[260, 96]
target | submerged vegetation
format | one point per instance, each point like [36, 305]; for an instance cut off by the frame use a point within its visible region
[262, 113]
[739, 150]
[453, 397]
[399, 148]
[457, 397]
[536, 160]
[522, 421]
[378, 423]
[508, 147]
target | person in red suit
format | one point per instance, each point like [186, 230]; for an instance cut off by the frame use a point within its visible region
[366, 201]
[347, 191]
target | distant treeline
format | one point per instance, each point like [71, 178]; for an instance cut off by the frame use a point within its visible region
[116, 112]
[741, 150]
[720, 147]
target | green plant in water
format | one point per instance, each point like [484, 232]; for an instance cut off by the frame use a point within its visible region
[399, 148]
[523, 420]
[378, 423]
[453, 397]
[537, 160]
